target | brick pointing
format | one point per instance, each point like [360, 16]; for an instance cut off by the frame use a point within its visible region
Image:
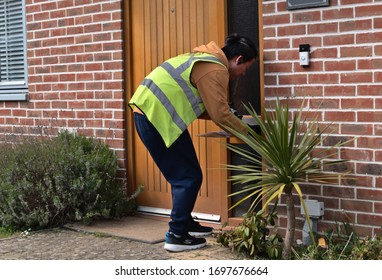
[345, 77]
[75, 72]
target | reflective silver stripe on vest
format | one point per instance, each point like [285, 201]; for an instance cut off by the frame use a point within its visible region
[166, 103]
[175, 73]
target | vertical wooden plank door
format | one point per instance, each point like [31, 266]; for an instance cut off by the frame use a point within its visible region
[162, 29]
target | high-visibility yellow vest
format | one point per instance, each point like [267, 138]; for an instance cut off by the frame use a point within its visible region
[167, 97]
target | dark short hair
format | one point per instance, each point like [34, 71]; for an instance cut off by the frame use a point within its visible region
[236, 45]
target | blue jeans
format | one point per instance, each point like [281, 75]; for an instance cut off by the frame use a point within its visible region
[179, 165]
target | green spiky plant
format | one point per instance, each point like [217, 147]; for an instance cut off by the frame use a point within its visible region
[280, 160]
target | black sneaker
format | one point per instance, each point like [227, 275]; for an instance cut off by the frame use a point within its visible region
[186, 242]
[196, 229]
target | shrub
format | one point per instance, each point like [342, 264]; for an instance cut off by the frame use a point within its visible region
[367, 249]
[252, 237]
[5, 232]
[342, 243]
[46, 183]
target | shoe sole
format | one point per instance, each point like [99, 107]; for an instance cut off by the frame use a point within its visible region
[180, 248]
[197, 233]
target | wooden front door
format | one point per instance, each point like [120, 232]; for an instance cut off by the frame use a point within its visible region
[161, 29]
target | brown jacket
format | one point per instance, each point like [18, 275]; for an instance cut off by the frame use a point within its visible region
[212, 82]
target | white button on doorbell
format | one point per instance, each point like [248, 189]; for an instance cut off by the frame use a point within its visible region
[304, 54]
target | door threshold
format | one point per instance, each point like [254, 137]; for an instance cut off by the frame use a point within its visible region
[166, 212]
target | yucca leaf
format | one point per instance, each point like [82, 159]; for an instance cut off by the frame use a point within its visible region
[278, 193]
[243, 199]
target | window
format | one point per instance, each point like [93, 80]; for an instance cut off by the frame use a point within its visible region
[13, 59]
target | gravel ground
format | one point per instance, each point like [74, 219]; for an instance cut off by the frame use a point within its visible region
[63, 244]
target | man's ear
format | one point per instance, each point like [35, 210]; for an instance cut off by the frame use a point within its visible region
[239, 60]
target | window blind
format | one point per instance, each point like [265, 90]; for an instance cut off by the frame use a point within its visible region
[13, 65]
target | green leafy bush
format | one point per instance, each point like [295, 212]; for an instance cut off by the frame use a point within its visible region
[46, 183]
[367, 249]
[342, 243]
[252, 237]
[5, 232]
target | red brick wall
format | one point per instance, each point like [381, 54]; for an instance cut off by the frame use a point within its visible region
[345, 77]
[75, 70]
[75, 64]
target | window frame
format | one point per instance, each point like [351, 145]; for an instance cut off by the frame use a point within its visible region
[13, 89]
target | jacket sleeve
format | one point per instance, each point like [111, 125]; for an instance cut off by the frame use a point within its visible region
[213, 89]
